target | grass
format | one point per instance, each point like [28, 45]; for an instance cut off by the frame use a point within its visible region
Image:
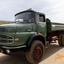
[5, 22]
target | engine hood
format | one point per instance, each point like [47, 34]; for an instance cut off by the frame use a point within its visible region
[8, 27]
[15, 27]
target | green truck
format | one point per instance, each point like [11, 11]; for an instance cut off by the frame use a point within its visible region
[31, 32]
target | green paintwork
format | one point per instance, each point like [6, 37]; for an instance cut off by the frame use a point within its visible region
[57, 26]
[28, 11]
[41, 27]
[8, 28]
[51, 26]
[23, 31]
[48, 25]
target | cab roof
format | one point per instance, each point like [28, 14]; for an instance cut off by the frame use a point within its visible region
[29, 10]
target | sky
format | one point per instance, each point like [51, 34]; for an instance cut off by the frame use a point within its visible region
[53, 9]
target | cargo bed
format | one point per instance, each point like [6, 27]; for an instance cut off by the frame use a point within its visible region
[57, 26]
[52, 26]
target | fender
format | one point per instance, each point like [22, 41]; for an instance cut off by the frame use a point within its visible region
[34, 37]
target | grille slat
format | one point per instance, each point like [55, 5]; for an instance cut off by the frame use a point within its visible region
[6, 39]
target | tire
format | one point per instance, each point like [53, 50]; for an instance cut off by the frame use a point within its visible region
[36, 53]
[63, 40]
[60, 39]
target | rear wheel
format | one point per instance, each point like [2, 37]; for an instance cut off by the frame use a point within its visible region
[36, 52]
[61, 39]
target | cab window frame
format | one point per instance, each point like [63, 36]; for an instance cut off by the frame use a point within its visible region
[38, 16]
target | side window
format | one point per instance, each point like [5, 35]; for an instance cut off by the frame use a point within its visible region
[40, 18]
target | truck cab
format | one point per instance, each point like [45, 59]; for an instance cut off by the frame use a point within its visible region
[33, 18]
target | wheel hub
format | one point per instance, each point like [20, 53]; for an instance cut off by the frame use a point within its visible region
[37, 52]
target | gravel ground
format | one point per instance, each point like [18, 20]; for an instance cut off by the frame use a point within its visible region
[53, 55]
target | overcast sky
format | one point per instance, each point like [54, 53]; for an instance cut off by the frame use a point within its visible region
[53, 9]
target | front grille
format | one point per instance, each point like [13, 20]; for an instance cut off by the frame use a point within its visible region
[6, 39]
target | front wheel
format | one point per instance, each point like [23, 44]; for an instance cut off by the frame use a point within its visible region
[36, 52]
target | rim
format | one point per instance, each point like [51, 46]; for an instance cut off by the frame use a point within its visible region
[37, 52]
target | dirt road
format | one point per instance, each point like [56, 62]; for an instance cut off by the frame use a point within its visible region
[53, 55]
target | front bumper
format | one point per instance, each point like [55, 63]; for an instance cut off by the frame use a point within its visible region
[8, 50]
[15, 47]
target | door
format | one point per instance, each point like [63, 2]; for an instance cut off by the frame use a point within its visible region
[41, 24]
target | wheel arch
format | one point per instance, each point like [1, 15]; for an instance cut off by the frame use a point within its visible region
[35, 37]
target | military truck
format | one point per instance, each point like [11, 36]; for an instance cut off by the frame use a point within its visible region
[31, 32]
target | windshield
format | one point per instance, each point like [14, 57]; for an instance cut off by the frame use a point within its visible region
[25, 17]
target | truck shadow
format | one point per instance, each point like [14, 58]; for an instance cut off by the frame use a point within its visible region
[17, 58]
[51, 50]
